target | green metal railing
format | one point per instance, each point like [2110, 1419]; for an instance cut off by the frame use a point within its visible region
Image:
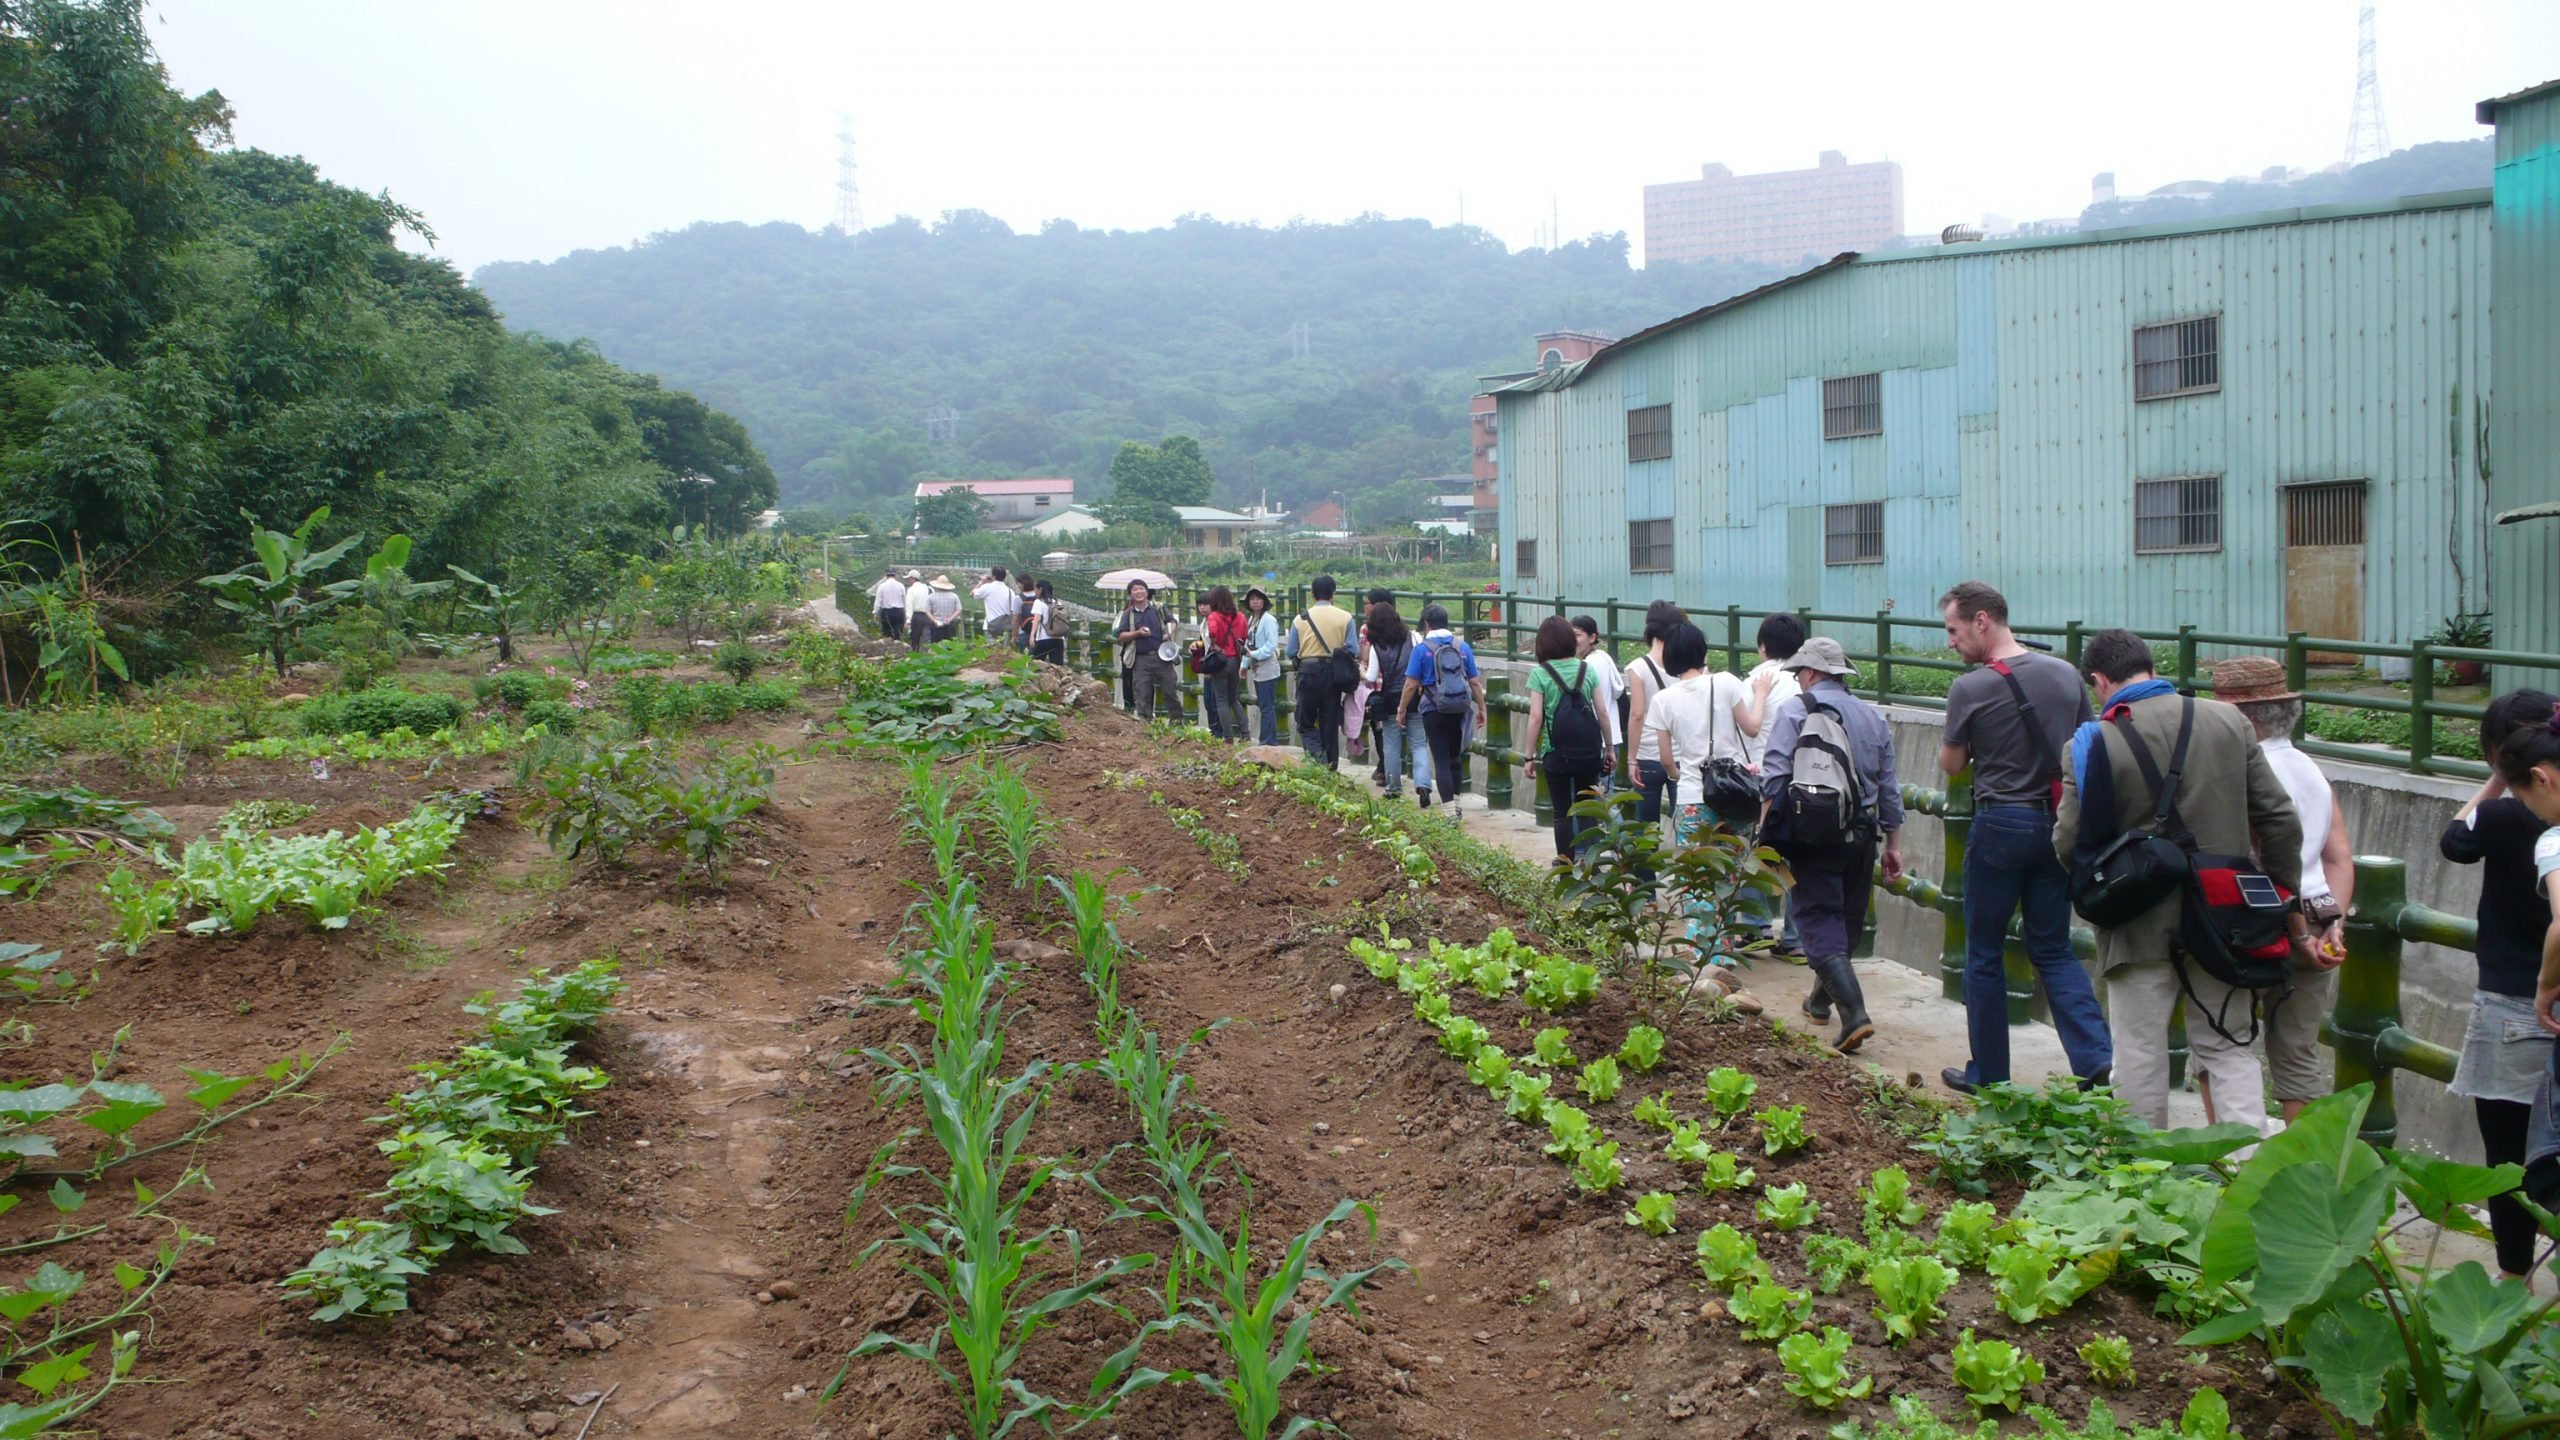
[2364, 1028]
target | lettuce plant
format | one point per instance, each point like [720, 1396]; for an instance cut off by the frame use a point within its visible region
[1889, 1205]
[1556, 983]
[1490, 1068]
[1643, 1049]
[1655, 1212]
[1728, 1258]
[2109, 1358]
[1818, 1369]
[1768, 1310]
[1907, 1288]
[1730, 1090]
[1568, 1128]
[1462, 1037]
[1526, 1098]
[1782, 1129]
[1596, 1170]
[1994, 1373]
[1688, 1144]
[2033, 1282]
[1725, 1172]
[1600, 1081]
[1655, 1110]
[1964, 1233]
[1787, 1207]
[1829, 1260]
[1553, 1046]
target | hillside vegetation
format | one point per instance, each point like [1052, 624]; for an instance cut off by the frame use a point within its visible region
[1051, 349]
[188, 333]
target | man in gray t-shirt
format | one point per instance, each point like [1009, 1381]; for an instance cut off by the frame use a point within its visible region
[2015, 750]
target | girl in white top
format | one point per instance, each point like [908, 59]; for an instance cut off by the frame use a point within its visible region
[1612, 691]
[1781, 636]
[1687, 725]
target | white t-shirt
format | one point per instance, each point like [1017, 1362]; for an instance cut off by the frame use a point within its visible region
[1781, 691]
[1697, 713]
[1604, 669]
[917, 595]
[1039, 621]
[997, 596]
[2312, 800]
[890, 594]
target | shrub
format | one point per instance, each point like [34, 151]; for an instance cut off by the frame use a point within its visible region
[735, 660]
[554, 717]
[377, 710]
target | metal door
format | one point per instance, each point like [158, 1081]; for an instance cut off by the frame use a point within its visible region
[2324, 563]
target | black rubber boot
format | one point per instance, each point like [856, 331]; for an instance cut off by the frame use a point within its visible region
[1817, 1004]
[1839, 980]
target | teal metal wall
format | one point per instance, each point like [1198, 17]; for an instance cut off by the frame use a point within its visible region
[2351, 337]
[2524, 434]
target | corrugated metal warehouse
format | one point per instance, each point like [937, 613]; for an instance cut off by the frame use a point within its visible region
[2258, 424]
[2524, 447]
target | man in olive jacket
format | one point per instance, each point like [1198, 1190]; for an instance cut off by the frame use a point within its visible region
[2233, 802]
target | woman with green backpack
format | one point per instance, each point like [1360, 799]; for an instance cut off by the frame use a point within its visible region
[1573, 751]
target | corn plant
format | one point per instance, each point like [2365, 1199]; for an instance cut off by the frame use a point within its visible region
[1014, 812]
[1090, 910]
[935, 817]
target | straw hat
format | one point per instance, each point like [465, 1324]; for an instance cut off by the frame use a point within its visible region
[1821, 653]
[942, 582]
[2250, 679]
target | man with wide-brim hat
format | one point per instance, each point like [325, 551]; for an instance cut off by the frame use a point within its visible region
[1831, 799]
[2298, 1071]
[942, 602]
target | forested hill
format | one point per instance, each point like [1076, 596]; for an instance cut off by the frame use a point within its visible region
[1053, 348]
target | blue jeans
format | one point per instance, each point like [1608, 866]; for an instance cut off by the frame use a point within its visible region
[1400, 745]
[1266, 703]
[2009, 866]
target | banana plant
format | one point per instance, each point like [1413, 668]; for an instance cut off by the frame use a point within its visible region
[500, 609]
[283, 591]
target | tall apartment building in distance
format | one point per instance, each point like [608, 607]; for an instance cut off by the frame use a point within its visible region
[1778, 218]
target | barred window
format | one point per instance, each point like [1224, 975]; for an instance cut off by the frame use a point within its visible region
[1853, 534]
[1649, 546]
[2326, 514]
[1524, 559]
[1853, 405]
[1649, 433]
[2175, 516]
[2180, 358]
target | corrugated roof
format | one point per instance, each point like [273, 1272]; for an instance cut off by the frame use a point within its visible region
[1053, 485]
[1566, 376]
[2488, 109]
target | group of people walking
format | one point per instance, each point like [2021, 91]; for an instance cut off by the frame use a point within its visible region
[925, 612]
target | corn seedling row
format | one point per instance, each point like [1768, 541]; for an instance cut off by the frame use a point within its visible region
[1216, 1286]
[465, 1141]
[997, 1283]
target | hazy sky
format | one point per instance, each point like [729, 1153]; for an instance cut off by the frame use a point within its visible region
[529, 128]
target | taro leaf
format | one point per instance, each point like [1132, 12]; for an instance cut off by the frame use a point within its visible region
[2325, 1133]
[2439, 1189]
[2223, 1329]
[64, 1198]
[2201, 1145]
[2471, 1312]
[127, 1105]
[2309, 1230]
[52, 1373]
[37, 1101]
[213, 1087]
[2353, 1353]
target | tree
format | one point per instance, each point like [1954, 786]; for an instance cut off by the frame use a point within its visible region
[1147, 481]
[953, 512]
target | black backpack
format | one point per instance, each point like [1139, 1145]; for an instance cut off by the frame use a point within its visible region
[1575, 740]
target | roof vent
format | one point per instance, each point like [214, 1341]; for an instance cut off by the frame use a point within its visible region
[1960, 235]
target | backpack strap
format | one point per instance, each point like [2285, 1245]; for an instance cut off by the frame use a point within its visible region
[2164, 789]
[2051, 762]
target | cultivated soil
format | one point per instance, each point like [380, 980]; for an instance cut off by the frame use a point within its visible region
[701, 1276]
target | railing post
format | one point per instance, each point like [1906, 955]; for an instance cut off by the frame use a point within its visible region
[2074, 640]
[2422, 699]
[1733, 639]
[1497, 743]
[1884, 656]
[2297, 677]
[2178, 1054]
[1544, 805]
[2369, 989]
[1609, 627]
[2186, 657]
[1955, 830]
